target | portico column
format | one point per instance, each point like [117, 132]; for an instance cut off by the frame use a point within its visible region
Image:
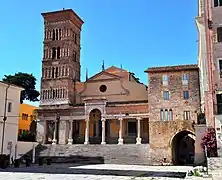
[87, 131]
[103, 131]
[70, 140]
[120, 140]
[138, 139]
[54, 141]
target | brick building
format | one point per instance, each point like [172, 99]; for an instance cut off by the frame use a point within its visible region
[113, 107]
[209, 23]
[174, 103]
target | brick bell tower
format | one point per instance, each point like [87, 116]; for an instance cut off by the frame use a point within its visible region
[61, 59]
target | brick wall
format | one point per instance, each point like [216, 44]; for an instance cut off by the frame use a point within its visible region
[175, 88]
[161, 132]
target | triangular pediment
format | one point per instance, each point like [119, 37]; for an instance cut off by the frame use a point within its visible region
[103, 76]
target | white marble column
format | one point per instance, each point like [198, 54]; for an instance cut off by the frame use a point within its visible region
[103, 130]
[87, 131]
[70, 140]
[54, 141]
[138, 139]
[120, 140]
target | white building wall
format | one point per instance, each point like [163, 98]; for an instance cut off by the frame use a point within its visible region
[11, 124]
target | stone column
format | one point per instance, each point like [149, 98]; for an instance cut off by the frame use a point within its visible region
[54, 141]
[120, 140]
[63, 131]
[103, 130]
[87, 131]
[70, 140]
[138, 139]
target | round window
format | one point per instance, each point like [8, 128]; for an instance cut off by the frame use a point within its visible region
[103, 88]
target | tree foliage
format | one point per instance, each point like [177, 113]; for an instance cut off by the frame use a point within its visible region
[209, 141]
[27, 81]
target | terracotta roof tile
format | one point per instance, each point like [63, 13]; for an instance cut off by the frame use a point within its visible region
[173, 68]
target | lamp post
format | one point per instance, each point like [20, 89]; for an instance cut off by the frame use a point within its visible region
[4, 118]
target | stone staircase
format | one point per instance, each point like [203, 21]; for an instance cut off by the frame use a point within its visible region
[97, 154]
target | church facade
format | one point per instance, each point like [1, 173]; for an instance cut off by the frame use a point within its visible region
[113, 107]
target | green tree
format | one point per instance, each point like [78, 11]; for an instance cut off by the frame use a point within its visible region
[27, 81]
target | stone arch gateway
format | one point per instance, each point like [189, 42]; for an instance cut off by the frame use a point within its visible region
[183, 149]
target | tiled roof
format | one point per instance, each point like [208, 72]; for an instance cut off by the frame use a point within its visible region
[173, 68]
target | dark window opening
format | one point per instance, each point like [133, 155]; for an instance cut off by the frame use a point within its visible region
[53, 94]
[53, 34]
[60, 34]
[56, 93]
[219, 103]
[53, 53]
[57, 34]
[9, 107]
[24, 116]
[186, 94]
[58, 52]
[75, 38]
[219, 34]
[53, 71]
[132, 128]
[217, 3]
[56, 72]
[74, 56]
[220, 66]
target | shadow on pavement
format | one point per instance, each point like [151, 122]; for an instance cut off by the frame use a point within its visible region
[67, 170]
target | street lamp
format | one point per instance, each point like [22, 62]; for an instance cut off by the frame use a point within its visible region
[4, 118]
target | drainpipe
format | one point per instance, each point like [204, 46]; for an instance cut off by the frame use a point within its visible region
[4, 117]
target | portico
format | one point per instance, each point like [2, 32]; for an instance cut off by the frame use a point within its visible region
[109, 129]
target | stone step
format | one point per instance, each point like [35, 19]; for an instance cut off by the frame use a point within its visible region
[119, 154]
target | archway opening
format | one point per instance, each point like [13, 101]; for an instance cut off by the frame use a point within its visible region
[183, 148]
[95, 126]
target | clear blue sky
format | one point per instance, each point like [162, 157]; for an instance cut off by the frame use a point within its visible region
[137, 34]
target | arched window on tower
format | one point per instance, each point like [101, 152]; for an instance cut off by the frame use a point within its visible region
[161, 114]
[53, 95]
[53, 34]
[171, 115]
[58, 52]
[53, 53]
[166, 114]
[53, 72]
[60, 34]
[56, 72]
[75, 38]
[57, 34]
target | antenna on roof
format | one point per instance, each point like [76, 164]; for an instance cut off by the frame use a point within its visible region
[103, 66]
[86, 74]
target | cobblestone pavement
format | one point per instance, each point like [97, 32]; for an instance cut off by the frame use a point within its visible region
[95, 172]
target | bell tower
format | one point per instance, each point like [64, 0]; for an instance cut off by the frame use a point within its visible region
[61, 59]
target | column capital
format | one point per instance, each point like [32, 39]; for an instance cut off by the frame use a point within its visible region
[87, 118]
[120, 118]
[103, 119]
[70, 121]
[138, 118]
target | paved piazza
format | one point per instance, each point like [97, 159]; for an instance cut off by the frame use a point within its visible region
[94, 172]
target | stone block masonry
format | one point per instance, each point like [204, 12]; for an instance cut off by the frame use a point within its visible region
[112, 154]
